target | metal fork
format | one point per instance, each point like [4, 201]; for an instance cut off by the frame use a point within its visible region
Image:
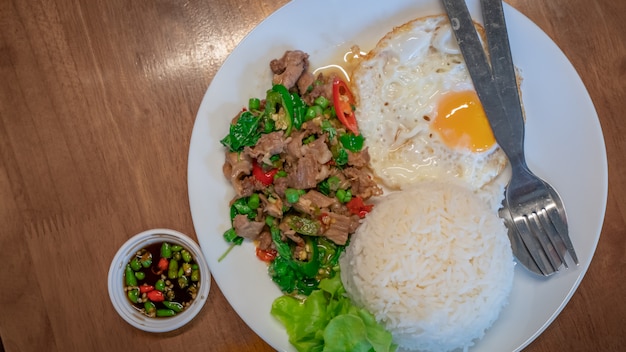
[536, 215]
[532, 209]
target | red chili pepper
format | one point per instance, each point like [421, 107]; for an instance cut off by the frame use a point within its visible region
[266, 178]
[146, 288]
[324, 218]
[156, 296]
[343, 100]
[163, 264]
[356, 206]
[266, 255]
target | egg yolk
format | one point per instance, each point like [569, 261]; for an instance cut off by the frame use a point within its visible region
[462, 124]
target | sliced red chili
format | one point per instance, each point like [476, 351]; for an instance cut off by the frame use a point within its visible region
[343, 101]
[146, 288]
[325, 219]
[156, 296]
[265, 177]
[163, 264]
[358, 207]
[266, 255]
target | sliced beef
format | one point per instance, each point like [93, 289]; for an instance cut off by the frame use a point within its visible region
[319, 149]
[311, 202]
[362, 183]
[323, 87]
[288, 69]
[235, 168]
[344, 183]
[290, 233]
[294, 147]
[274, 208]
[305, 81]
[304, 174]
[268, 144]
[246, 187]
[246, 228]
[311, 128]
[355, 221]
[322, 173]
[360, 159]
[280, 185]
[249, 185]
[264, 240]
[339, 228]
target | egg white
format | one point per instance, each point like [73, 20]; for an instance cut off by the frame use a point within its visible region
[398, 87]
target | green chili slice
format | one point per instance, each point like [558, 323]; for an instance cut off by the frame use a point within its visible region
[304, 226]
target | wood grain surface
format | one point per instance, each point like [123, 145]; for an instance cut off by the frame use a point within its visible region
[97, 103]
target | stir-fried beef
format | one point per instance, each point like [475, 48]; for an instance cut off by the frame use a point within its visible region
[344, 183]
[264, 241]
[249, 185]
[273, 208]
[290, 233]
[359, 159]
[298, 166]
[319, 149]
[294, 147]
[304, 173]
[322, 173]
[362, 183]
[288, 69]
[235, 168]
[268, 144]
[313, 201]
[311, 128]
[280, 186]
[305, 81]
[247, 228]
[322, 87]
[339, 227]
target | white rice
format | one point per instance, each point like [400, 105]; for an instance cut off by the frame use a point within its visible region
[433, 263]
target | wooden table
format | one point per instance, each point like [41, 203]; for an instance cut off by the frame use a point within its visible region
[97, 103]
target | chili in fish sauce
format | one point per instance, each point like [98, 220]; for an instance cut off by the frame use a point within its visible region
[162, 279]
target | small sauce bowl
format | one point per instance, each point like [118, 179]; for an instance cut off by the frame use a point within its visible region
[116, 281]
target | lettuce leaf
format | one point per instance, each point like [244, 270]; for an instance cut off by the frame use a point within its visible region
[327, 321]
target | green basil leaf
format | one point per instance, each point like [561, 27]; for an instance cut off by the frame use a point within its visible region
[328, 127]
[351, 142]
[342, 157]
[243, 133]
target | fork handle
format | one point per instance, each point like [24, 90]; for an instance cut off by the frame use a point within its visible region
[496, 87]
[508, 129]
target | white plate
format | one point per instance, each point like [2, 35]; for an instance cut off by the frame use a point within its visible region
[564, 144]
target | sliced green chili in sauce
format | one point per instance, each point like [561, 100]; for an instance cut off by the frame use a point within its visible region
[157, 290]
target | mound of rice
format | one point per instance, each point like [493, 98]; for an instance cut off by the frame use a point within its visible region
[433, 263]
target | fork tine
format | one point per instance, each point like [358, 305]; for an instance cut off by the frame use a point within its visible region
[518, 247]
[534, 248]
[561, 228]
[553, 235]
[543, 237]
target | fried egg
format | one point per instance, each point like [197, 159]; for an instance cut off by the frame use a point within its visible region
[419, 112]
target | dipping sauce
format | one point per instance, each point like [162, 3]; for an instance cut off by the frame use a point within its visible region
[162, 279]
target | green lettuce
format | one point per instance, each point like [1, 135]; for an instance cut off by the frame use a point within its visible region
[327, 321]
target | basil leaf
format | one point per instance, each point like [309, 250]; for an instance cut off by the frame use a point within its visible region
[351, 142]
[342, 157]
[327, 127]
[243, 133]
